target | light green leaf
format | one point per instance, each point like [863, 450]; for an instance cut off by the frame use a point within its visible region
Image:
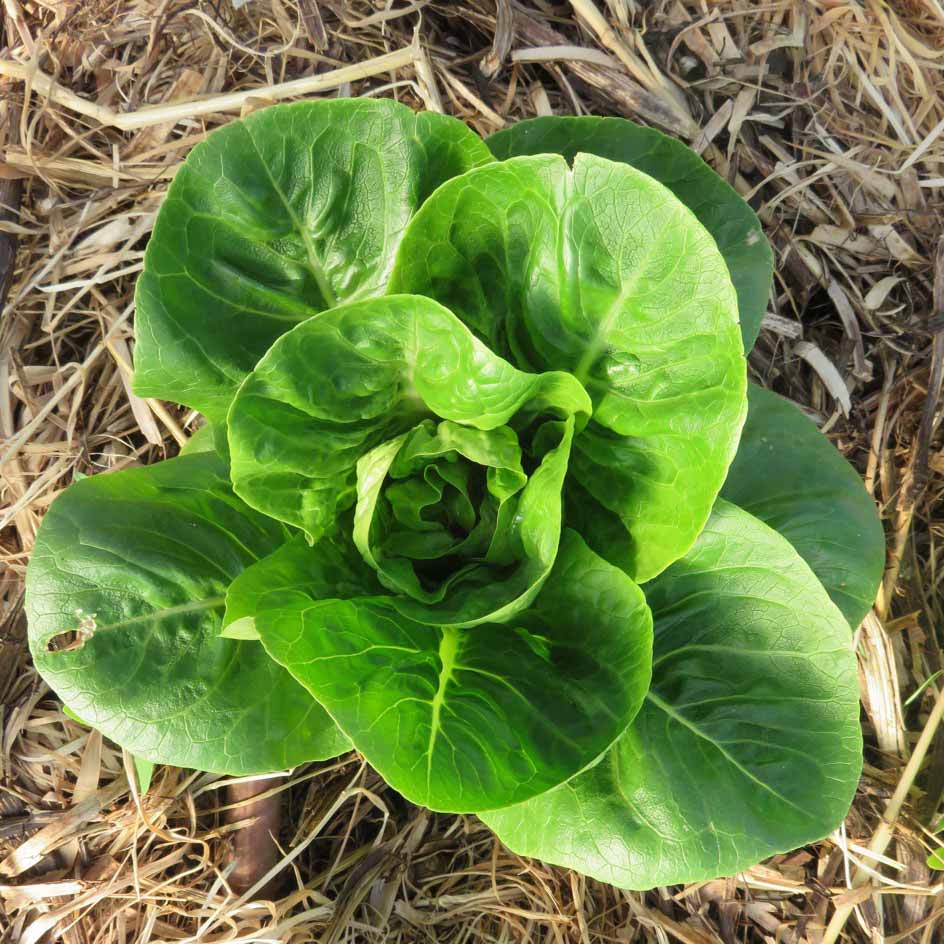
[748, 743]
[69, 713]
[468, 719]
[144, 771]
[127, 581]
[718, 207]
[339, 385]
[464, 572]
[333, 569]
[202, 440]
[788, 474]
[936, 860]
[602, 272]
[273, 218]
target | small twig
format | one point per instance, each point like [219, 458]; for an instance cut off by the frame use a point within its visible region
[501, 42]
[313, 23]
[904, 515]
[11, 193]
[914, 479]
[65, 824]
[232, 101]
[931, 401]
[15, 15]
[425, 77]
[566, 53]
[641, 71]
[886, 828]
[624, 93]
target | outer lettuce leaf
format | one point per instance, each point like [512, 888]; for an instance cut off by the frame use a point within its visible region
[464, 720]
[142, 560]
[748, 743]
[602, 272]
[274, 218]
[718, 207]
[789, 475]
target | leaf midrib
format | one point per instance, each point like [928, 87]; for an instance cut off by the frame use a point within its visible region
[210, 603]
[317, 270]
[448, 652]
[685, 723]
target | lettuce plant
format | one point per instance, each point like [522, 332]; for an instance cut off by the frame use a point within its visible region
[484, 494]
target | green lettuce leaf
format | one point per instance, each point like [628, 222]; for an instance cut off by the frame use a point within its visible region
[788, 474]
[344, 409]
[748, 743]
[203, 440]
[127, 582]
[463, 719]
[487, 555]
[333, 570]
[717, 206]
[600, 271]
[273, 218]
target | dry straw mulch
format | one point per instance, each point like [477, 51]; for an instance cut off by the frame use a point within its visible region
[827, 114]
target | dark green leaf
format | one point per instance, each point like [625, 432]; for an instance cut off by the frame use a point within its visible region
[602, 272]
[127, 581]
[468, 719]
[718, 207]
[273, 218]
[748, 743]
[789, 475]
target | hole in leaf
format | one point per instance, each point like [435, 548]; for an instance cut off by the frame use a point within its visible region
[72, 639]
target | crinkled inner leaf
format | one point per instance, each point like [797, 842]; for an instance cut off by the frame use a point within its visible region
[489, 551]
[602, 272]
[340, 393]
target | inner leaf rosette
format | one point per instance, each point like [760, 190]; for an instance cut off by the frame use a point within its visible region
[600, 271]
[453, 460]
[448, 516]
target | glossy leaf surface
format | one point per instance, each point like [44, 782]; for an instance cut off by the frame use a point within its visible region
[325, 421]
[788, 474]
[748, 743]
[128, 577]
[334, 570]
[600, 271]
[718, 207]
[273, 218]
[467, 719]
